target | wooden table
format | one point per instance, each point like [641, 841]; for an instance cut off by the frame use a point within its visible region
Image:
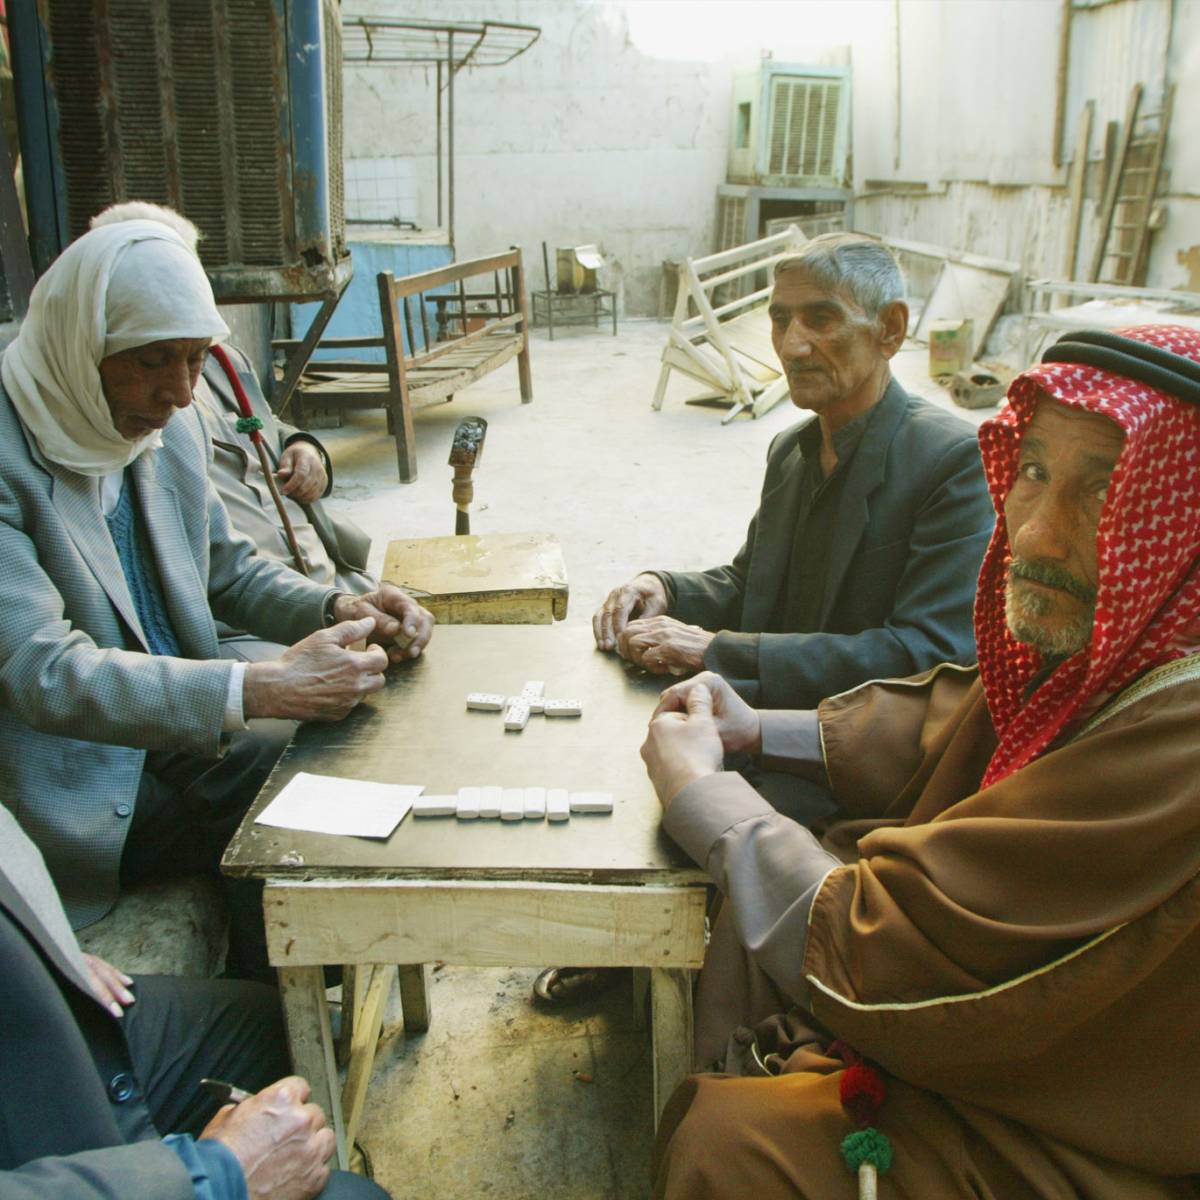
[604, 891]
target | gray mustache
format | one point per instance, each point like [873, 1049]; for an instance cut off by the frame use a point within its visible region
[1051, 576]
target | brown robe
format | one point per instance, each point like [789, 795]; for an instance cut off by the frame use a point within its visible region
[1023, 961]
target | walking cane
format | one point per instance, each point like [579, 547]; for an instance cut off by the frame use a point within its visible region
[249, 423]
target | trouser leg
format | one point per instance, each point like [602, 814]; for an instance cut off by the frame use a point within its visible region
[187, 810]
[183, 1030]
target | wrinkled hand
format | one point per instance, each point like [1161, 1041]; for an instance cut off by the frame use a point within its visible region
[737, 724]
[664, 645]
[317, 679]
[398, 619]
[643, 596]
[301, 473]
[109, 986]
[280, 1140]
[682, 747]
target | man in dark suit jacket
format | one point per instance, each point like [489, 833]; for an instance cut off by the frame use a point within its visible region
[861, 560]
[94, 1066]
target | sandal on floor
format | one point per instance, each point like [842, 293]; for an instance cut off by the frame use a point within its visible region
[560, 987]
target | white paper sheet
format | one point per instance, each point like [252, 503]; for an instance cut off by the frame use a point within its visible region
[329, 804]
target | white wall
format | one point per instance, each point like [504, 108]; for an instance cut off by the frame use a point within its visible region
[581, 139]
[977, 95]
[599, 133]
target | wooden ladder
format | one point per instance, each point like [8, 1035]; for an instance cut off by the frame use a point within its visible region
[1124, 239]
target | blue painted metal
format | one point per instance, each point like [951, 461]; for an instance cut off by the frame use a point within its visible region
[309, 137]
[358, 313]
[45, 190]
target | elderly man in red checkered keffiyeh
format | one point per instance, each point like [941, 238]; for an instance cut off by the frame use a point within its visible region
[1007, 921]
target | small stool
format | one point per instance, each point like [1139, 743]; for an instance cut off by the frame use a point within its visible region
[483, 579]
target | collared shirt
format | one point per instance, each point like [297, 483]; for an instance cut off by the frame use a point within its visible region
[798, 609]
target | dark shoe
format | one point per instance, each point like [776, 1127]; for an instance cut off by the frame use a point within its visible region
[561, 987]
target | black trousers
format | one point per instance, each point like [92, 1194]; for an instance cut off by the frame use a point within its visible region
[73, 1079]
[183, 1030]
[187, 810]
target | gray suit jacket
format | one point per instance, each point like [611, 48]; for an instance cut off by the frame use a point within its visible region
[80, 702]
[912, 525]
[346, 545]
[42, 1052]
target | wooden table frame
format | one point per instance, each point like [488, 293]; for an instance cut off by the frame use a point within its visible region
[374, 923]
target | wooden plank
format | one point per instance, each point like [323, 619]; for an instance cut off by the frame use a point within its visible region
[332, 343]
[475, 566]
[368, 1022]
[790, 236]
[1114, 183]
[671, 1033]
[414, 997]
[484, 924]
[310, 1038]
[425, 281]
[1079, 167]
[440, 348]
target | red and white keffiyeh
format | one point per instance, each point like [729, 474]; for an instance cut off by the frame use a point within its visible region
[1148, 547]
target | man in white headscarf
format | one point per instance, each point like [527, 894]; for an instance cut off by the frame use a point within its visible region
[332, 549]
[123, 734]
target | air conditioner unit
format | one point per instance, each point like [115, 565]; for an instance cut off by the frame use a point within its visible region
[791, 126]
[228, 110]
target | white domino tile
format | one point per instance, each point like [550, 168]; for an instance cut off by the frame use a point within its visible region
[558, 804]
[516, 714]
[435, 806]
[486, 701]
[512, 804]
[591, 802]
[562, 708]
[489, 801]
[535, 803]
[468, 803]
[533, 693]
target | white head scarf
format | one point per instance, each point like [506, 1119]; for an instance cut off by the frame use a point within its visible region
[114, 288]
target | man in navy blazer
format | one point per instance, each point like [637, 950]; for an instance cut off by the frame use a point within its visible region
[96, 1067]
[861, 560]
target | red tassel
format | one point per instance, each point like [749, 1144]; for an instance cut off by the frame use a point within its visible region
[862, 1091]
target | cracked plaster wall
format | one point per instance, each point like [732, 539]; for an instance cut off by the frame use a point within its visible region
[581, 139]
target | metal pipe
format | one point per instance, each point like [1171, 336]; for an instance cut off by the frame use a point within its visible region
[450, 139]
[438, 154]
[1060, 82]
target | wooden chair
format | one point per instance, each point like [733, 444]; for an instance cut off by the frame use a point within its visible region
[726, 344]
[442, 329]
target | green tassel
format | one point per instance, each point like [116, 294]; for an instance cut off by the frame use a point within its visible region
[249, 424]
[867, 1145]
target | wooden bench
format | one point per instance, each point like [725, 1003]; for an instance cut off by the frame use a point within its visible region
[439, 335]
[720, 333]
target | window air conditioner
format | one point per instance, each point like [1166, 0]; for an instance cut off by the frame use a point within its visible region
[228, 110]
[791, 126]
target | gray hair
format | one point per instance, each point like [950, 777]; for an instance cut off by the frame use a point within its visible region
[860, 265]
[143, 210]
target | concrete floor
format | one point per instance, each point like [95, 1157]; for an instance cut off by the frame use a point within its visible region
[499, 1099]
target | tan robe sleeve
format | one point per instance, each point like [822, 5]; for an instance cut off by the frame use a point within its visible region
[875, 737]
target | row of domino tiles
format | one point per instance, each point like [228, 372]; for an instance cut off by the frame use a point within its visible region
[513, 804]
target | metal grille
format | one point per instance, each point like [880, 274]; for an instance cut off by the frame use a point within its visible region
[333, 100]
[181, 102]
[804, 127]
[257, 79]
[731, 222]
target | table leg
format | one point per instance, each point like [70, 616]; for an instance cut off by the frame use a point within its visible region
[306, 1014]
[414, 997]
[362, 1050]
[641, 996]
[671, 1032]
